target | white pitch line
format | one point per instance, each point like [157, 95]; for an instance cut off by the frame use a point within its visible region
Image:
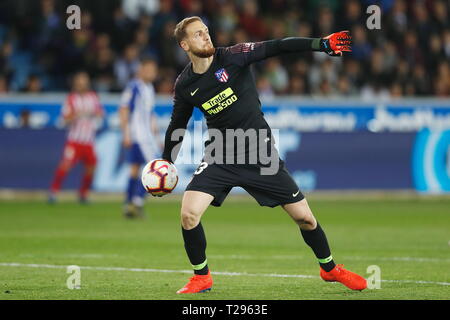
[407, 259]
[74, 255]
[295, 257]
[270, 275]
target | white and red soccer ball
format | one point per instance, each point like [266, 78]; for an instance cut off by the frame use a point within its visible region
[159, 177]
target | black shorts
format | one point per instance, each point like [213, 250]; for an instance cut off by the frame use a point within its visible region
[269, 190]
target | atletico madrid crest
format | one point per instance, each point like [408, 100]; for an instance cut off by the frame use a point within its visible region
[221, 75]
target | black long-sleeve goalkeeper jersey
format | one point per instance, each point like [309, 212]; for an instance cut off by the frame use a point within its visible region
[226, 93]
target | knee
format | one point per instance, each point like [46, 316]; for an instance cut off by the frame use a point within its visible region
[301, 214]
[308, 223]
[65, 166]
[305, 220]
[189, 218]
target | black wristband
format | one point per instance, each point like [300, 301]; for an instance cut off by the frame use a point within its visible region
[316, 44]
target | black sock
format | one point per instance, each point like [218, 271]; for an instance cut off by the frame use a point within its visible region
[317, 240]
[195, 245]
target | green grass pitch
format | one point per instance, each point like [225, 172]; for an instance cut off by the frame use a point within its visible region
[253, 252]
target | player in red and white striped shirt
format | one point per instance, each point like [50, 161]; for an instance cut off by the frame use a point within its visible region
[81, 112]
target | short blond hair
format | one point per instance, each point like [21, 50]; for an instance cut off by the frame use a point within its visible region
[180, 29]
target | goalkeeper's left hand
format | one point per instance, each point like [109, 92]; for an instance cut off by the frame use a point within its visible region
[336, 43]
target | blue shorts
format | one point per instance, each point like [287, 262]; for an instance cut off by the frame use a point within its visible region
[135, 155]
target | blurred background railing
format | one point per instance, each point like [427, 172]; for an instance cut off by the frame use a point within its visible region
[328, 144]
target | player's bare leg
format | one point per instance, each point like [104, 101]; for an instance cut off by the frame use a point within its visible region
[86, 182]
[60, 174]
[315, 237]
[301, 214]
[193, 205]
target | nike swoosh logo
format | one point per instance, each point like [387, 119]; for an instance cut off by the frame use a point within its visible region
[193, 92]
[295, 194]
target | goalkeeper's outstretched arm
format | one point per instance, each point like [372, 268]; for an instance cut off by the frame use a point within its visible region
[334, 45]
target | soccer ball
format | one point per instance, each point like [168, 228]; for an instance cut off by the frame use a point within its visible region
[159, 177]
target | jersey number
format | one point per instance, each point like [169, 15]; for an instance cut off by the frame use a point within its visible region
[202, 167]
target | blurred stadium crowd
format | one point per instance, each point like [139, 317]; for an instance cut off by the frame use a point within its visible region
[408, 56]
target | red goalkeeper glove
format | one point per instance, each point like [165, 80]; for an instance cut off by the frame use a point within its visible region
[336, 43]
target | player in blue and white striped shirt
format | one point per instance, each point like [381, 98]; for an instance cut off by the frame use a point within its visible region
[140, 132]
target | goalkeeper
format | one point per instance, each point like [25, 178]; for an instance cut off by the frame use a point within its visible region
[220, 83]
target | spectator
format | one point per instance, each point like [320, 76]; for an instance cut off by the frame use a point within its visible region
[442, 80]
[142, 41]
[361, 48]
[292, 19]
[164, 15]
[325, 21]
[226, 19]
[300, 68]
[422, 22]
[240, 36]
[33, 85]
[168, 46]
[132, 9]
[222, 39]
[102, 41]
[440, 13]
[396, 90]
[319, 74]
[102, 71]
[3, 85]
[390, 56]
[264, 88]
[127, 65]
[377, 71]
[315, 5]
[325, 89]
[374, 92]
[352, 15]
[446, 43]
[120, 29]
[344, 87]
[297, 86]
[75, 54]
[165, 86]
[397, 21]
[420, 81]
[195, 8]
[402, 72]
[354, 73]
[6, 51]
[277, 29]
[304, 30]
[411, 51]
[251, 22]
[277, 75]
[48, 24]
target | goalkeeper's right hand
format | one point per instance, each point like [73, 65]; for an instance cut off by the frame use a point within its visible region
[336, 43]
